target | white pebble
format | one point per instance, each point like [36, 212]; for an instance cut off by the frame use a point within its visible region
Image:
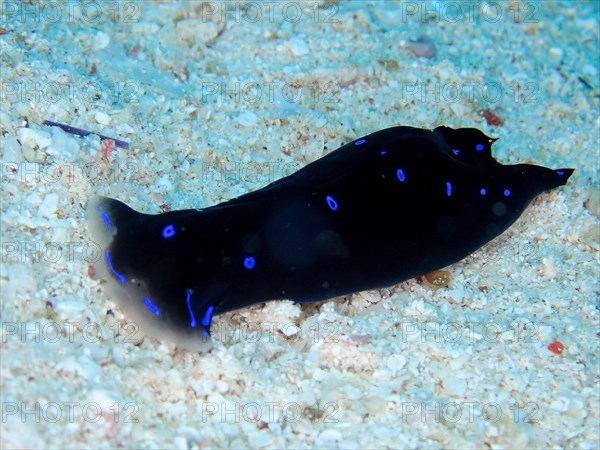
[49, 206]
[125, 128]
[298, 47]
[330, 435]
[101, 40]
[289, 329]
[70, 306]
[11, 150]
[259, 439]
[145, 28]
[555, 51]
[396, 362]
[63, 144]
[455, 386]
[247, 118]
[102, 118]
[33, 200]
[190, 31]
[34, 138]
[560, 404]
[222, 386]
[321, 121]
[549, 268]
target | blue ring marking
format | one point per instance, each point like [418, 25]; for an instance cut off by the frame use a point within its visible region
[152, 307]
[331, 203]
[400, 175]
[106, 219]
[448, 188]
[207, 319]
[479, 147]
[120, 277]
[249, 262]
[168, 231]
[188, 298]
[362, 141]
[455, 151]
[506, 192]
[483, 191]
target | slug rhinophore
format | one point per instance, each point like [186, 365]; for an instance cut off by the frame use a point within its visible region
[384, 208]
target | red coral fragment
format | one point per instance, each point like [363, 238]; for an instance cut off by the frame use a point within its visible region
[556, 347]
[492, 119]
[108, 145]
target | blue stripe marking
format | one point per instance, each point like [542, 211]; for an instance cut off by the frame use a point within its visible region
[106, 219]
[188, 294]
[448, 188]
[120, 277]
[208, 317]
[152, 307]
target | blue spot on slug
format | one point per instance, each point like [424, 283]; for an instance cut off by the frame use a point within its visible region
[331, 203]
[483, 191]
[448, 188]
[168, 231]
[152, 307]
[506, 192]
[400, 175]
[479, 147]
[360, 142]
[249, 262]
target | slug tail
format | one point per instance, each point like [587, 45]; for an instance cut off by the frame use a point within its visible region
[119, 232]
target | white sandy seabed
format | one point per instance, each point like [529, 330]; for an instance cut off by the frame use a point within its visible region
[218, 99]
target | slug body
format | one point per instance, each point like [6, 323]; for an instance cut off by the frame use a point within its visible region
[384, 208]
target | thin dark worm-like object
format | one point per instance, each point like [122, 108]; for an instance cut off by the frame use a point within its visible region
[83, 133]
